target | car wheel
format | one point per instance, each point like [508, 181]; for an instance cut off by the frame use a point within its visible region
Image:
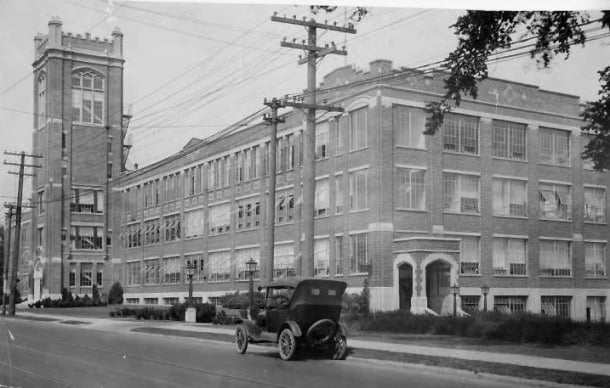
[287, 344]
[339, 348]
[241, 339]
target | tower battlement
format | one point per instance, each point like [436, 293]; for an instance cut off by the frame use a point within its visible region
[57, 39]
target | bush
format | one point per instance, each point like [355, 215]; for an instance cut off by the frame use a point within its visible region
[95, 296]
[115, 296]
[205, 312]
[240, 301]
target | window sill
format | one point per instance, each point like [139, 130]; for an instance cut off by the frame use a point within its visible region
[322, 159]
[509, 159]
[338, 275]
[321, 276]
[555, 219]
[87, 250]
[411, 148]
[462, 214]
[554, 165]
[596, 278]
[477, 155]
[511, 217]
[218, 281]
[242, 280]
[511, 276]
[321, 216]
[358, 149]
[82, 123]
[555, 277]
[359, 211]
[595, 223]
[402, 209]
[246, 230]
[472, 275]
[359, 274]
[219, 234]
[94, 213]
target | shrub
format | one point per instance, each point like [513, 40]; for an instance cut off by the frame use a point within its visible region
[115, 295]
[204, 312]
[241, 301]
[95, 296]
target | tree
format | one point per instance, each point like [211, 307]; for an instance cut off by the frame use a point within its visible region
[115, 295]
[482, 33]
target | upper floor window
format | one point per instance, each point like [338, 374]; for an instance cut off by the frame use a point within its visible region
[509, 197]
[219, 220]
[595, 259]
[321, 261]
[87, 97]
[554, 201]
[461, 134]
[461, 193]
[358, 129]
[555, 258]
[411, 189]
[358, 190]
[340, 131]
[595, 204]
[554, 147]
[242, 256]
[41, 202]
[86, 237]
[322, 140]
[509, 257]
[87, 201]
[469, 255]
[408, 124]
[508, 140]
[283, 263]
[322, 203]
[42, 99]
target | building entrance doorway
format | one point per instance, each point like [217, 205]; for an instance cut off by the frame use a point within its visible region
[405, 286]
[438, 278]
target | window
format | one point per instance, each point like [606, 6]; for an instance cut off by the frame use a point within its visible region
[470, 303]
[40, 235]
[409, 124]
[283, 262]
[171, 301]
[132, 300]
[338, 255]
[42, 99]
[85, 274]
[322, 140]
[172, 269]
[72, 279]
[320, 257]
[284, 207]
[151, 271]
[585, 138]
[99, 276]
[554, 147]
[340, 128]
[461, 193]
[242, 256]
[42, 206]
[248, 214]
[358, 129]
[411, 189]
[172, 227]
[358, 253]
[509, 197]
[596, 308]
[509, 257]
[86, 237]
[193, 223]
[461, 134]
[469, 255]
[220, 219]
[87, 97]
[595, 204]
[133, 273]
[555, 202]
[595, 260]
[510, 304]
[556, 306]
[151, 301]
[219, 266]
[239, 167]
[555, 258]
[508, 140]
[358, 190]
[134, 235]
[322, 198]
[255, 163]
[198, 262]
[338, 194]
[152, 232]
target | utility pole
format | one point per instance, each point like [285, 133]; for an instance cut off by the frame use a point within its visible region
[15, 261]
[7, 254]
[272, 120]
[309, 135]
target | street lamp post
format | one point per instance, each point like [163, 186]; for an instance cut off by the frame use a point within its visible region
[190, 315]
[455, 290]
[485, 291]
[251, 269]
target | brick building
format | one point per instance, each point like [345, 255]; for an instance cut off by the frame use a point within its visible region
[78, 105]
[498, 197]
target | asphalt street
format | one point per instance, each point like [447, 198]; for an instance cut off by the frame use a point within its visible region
[43, 354]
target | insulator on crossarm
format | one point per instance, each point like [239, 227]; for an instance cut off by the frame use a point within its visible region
[274, 13]
[294, 16]
[303, 41]
[335, 23]
[284, 39]
[343, 48]
[300, 57]
[294, 40]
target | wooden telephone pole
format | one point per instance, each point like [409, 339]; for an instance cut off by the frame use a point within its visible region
[309, 135]
[7, 254]
[18, 206]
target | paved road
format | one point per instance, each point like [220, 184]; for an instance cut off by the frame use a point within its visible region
[43, 354]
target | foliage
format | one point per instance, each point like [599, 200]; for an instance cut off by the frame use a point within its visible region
[115, 296]
[240, 301]
[356, 15]
[222, 318]
[204, 312]
[495, 326]
[483, 33]
[67, 300]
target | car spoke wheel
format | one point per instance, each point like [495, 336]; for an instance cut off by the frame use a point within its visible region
[287, 344]
[241, 339]
[339, 349]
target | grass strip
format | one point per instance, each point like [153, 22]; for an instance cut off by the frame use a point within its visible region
[556, 376]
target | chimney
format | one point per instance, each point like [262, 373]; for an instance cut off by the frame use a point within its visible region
[117, 44]
[55, 32]
[37, 40]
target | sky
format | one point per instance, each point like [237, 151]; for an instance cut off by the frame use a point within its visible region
[195, 68]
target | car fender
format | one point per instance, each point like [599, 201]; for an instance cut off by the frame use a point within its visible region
[252, 330]
[341, 329]
[296, 330]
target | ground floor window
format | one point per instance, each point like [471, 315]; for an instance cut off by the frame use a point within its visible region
[133, 273]
[72, 277]
[470, 303]
[596, 308]
[151, 300]
[132, 300]
[556, 306]
[283, 264]
[171, 301]
[85, 274]
[510, 304]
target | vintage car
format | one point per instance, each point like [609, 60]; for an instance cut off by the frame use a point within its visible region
[298, 313]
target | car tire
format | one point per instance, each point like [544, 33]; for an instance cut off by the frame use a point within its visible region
[287, 344]
[241, 339]
[339, 347]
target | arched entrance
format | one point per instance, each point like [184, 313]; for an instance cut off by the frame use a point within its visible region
[438, 281]
[405, 286]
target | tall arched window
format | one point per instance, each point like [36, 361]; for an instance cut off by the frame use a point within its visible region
[42, 99]
[87, 97]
